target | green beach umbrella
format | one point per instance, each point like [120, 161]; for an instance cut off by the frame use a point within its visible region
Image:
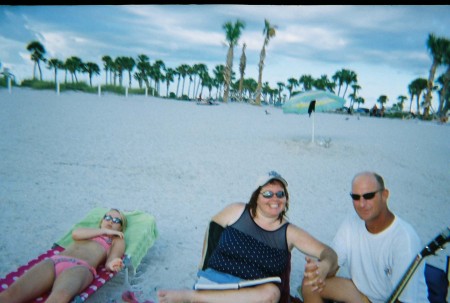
[312, 101]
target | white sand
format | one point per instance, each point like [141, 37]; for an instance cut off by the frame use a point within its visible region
[63, 155]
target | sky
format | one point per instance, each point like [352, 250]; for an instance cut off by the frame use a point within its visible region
[385, 45]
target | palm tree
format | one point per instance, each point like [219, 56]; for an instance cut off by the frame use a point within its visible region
[157, 73]
[74, 65]
[119, 65]
[444, 80]
[143, 67]
[55, 64]
[401, 99]
[382, 99]
[268, 32]
[128, 64]
[183, 70]
[233, 33]
[219, 75]
[292, 83]
[170, 73]
[37, 54]
[354, 95]
[307, 82]
[107, 65]
[359, 100]
[242, 66]
[416, 87]
[437, 47]
[339, 78]
[91, 69]
[280, 85]
[349, 78]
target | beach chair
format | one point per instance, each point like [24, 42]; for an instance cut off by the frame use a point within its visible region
[140, 236]
[212, 239]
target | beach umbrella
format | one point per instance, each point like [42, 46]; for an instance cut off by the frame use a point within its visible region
[312, 101]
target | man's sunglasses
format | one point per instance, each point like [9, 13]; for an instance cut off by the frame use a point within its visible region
[366, 196]
[113, 219]
[269, 194]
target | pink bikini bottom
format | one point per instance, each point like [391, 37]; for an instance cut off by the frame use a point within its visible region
[63, 262]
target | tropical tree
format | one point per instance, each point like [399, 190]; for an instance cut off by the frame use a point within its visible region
[119, 67]
[438, 47]
[219, 75]
[157, 68]
[292, 83]
[353, 96]
[183, 70]
[107, 66]
[415, 88]
[338, 78]
[37, 55]
[307, 82]
[55, 64]
[280, 85]
[143, 68]
[128, 64]
[242, 65]
[198, 69]
[444, 93]
[232, 33]
[359, 100]
[382, 100]
[169, 77]
[350, 78]
[74, 65]
[401, 100]
[269, 32]
[91, 69]
[266, 90]
[324, 83]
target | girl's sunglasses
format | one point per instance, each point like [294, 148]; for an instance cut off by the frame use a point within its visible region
[113, 219]
[269, 194]
[366, 196]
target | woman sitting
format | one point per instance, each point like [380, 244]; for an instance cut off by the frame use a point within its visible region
[256, 242]
[70, 272]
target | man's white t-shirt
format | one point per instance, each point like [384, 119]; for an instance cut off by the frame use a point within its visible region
[377, 262]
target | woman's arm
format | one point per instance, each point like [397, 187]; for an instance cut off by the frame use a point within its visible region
[114, 259]
[307, 244]
[89, 233]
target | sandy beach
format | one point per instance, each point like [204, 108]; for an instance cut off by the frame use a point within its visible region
[63, 155]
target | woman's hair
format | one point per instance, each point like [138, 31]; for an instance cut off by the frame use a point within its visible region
[252, 204]
[122, 217]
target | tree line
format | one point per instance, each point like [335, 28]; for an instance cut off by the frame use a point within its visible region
[223, 78]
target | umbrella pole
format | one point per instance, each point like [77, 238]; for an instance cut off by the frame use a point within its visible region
[312, 139]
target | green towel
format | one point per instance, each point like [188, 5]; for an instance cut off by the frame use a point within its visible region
[140, 234]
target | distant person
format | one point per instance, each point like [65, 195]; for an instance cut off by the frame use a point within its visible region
[375, 248]
[256, 242]
[374, 111]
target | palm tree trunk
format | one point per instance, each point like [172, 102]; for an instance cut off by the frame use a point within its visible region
[228, 69]
[429, 89]
[261, 67]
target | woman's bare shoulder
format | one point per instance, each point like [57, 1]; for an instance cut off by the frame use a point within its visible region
[229, 214]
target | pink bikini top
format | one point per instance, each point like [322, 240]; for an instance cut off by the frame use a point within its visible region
[105, 242]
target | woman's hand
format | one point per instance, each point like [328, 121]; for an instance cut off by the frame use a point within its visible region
[111, 232]
[314, 275]
[115, 265]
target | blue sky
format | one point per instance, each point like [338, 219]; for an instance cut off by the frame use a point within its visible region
[385, 45]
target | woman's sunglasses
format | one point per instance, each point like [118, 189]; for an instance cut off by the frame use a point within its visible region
[113, 219]
[269, 194]
[366, 196]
